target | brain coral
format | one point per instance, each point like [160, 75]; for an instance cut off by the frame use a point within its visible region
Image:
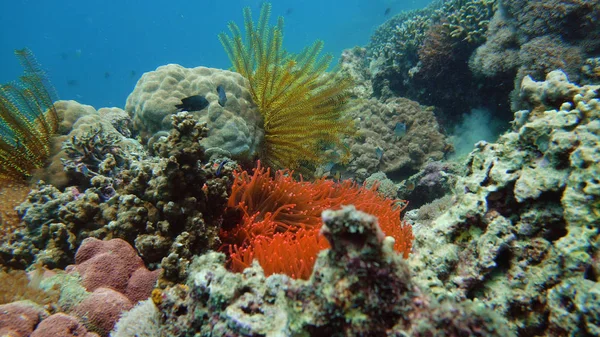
[235, 127]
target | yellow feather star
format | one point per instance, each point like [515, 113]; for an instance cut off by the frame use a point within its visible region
[28, 119]
[300, 102]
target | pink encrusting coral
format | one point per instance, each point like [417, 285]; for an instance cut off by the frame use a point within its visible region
[102, 309]
[19, 319]
[116, 277]
[61, 325]
[113, 264]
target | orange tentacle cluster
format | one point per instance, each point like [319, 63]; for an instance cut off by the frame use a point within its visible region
[281, 219]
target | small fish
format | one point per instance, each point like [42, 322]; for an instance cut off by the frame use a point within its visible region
[379, 153]
[193, 103]
[83, 170]
[400, 130]
[222, 95]
[106, 74]
[72, 83]
[336, 171]
[289, 11]
[327, 167]
[220, 168]
[387, 11]
[132, 73]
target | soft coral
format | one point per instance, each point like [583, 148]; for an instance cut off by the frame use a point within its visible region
[281, 218]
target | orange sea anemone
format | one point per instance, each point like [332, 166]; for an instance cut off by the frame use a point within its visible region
[281, 219]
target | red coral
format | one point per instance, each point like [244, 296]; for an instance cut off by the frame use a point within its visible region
[281, 219]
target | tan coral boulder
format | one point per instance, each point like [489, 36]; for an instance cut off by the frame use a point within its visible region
[235, 128]
[377, 147]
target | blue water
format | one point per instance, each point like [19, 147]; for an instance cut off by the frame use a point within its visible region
[96, 50]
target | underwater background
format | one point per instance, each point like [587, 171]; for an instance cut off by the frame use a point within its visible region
[96, 51]
[359, 168]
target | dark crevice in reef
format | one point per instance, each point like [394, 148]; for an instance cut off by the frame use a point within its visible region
[503, 264]
[555, 230]
[487, 180]
[554, 224]
[503, 201]
[503, 259]
[476, 291]
[531, 330]
[590, 273]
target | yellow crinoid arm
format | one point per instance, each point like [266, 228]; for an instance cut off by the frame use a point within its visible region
[301, 103]
[28, 120]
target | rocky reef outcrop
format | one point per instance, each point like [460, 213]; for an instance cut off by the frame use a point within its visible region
[522, 233]
[359, 287]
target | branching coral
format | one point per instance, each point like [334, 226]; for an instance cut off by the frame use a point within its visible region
[27, 120]
[469, 20]
[86, 152]
[301, 103]
[281, 219]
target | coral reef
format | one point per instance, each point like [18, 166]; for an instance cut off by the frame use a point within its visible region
[422, 55]
[108, 279]
[19, 319]
[86, 138]
[522, 234]
[532, 38]
[574, 20]
[146, 201]
[591, 71]
[378, 146]
[25, 319]
[95, 263]
[435, 180]
[359, 287]
[169, 236]
[353, 63]
[469, 20]
[12, 194]
[301, 103]
[61, 325]
[235, 129]
[101, 309]
[71, 111]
